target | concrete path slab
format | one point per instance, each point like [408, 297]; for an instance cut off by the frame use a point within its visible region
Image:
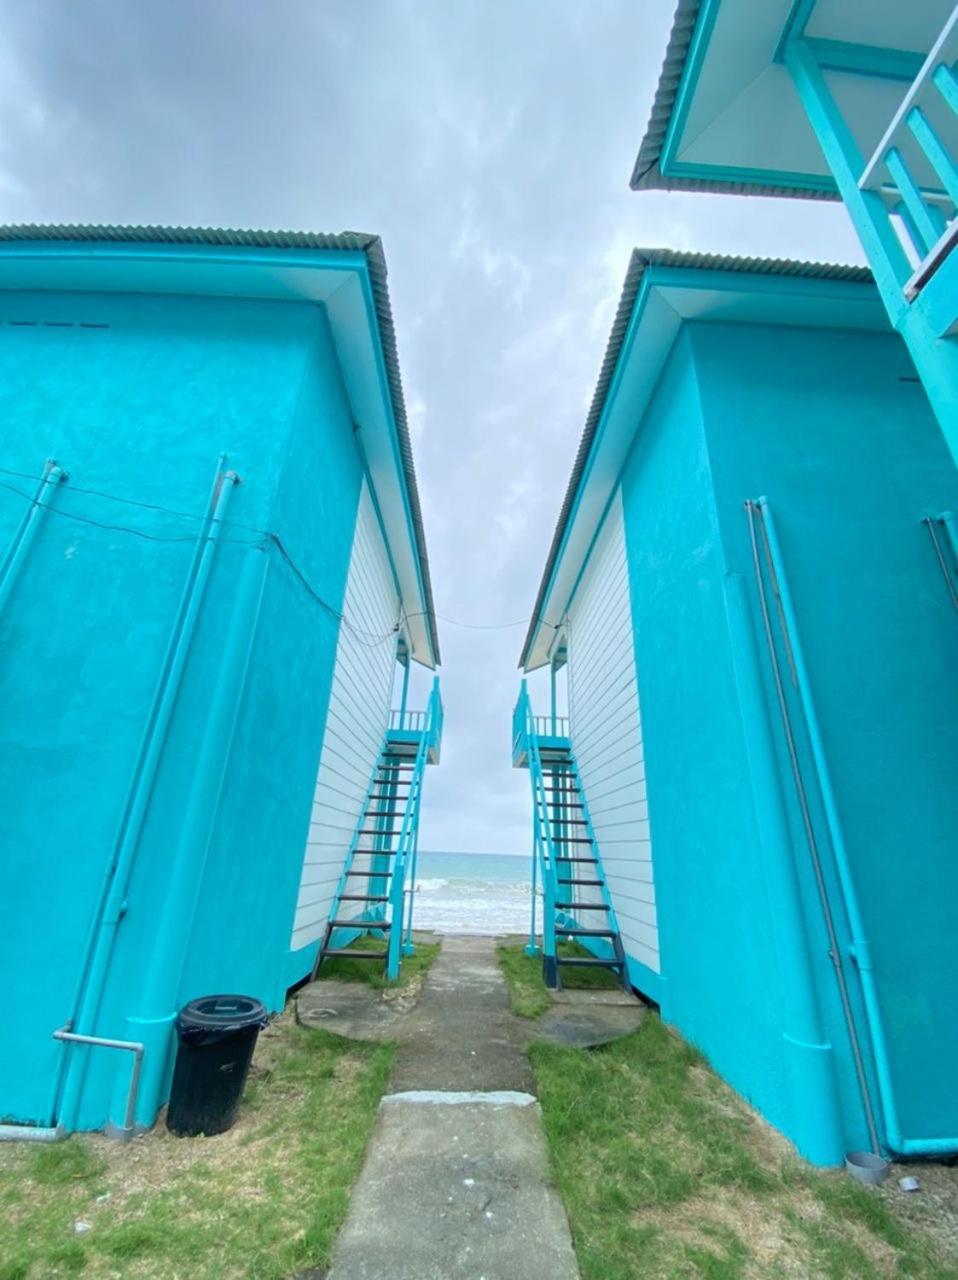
[354, 1009]
[456, 1185]
[463, 1033]
[456, 1191]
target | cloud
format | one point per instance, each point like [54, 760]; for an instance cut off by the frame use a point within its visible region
[490, 144]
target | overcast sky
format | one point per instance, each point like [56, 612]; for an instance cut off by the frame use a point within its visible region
[490, 145]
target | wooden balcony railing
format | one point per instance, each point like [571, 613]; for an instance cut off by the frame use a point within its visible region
[913, 168]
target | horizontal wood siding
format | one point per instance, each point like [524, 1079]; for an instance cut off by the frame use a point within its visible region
[358, 715]
[606, 734]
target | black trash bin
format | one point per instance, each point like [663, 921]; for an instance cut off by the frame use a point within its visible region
[217, 1037]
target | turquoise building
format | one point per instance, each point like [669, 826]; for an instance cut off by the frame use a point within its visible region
[212, 576]
[830, 100]
[749, 812]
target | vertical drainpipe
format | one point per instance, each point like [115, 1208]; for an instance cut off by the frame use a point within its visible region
[175, 919]
[552, 674]
[858, 949]
[811, 1083]
[53, 474]
[112, 907]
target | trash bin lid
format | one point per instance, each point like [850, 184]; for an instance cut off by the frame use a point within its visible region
[223, 1013]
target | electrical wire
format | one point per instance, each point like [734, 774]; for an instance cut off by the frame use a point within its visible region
[118, 528]
[267, 534]
[136, 502]
[368, 638]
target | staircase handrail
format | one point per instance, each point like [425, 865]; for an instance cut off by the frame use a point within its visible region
[406, 844]
[543, 842]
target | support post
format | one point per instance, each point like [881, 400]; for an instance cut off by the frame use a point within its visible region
[405, 692]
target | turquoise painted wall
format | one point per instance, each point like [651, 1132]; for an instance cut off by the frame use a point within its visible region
[142, 407]
[720, 983]
[834, 429]
[850, 457]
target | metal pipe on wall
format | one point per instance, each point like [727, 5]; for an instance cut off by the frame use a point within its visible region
[858, 950]
[93, 973]
[811, 1069]
[158, 1005]
[52, 475]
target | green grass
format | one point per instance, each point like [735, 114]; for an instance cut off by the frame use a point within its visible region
[264, 1200]
[413, 968]
[523, 975]
[665, 1172]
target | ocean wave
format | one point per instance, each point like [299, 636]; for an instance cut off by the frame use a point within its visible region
[488, 888]
[428, 885]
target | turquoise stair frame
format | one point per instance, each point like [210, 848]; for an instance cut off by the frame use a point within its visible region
[398, 912]
[545, 859]
[613, 923]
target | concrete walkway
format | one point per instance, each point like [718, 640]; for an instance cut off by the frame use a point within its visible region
[456, 1185]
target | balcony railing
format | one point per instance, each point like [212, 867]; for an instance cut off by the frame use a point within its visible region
[913, 169]
[410, 726]
[551, 726]
[414, 721]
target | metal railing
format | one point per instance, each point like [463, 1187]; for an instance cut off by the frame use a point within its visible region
[913, 169]
[407, 846]
[525, 735]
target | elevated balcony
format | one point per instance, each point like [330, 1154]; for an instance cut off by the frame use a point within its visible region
[551, 733]
[408, 728]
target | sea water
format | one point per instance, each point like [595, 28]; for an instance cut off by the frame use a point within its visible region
[473, 893]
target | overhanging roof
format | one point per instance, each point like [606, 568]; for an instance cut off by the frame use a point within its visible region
[663, 290]
[345, 272]
[727, 116]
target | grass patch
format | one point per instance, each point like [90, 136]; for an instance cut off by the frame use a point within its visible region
[264, 1200]
[523, 974]
[665, 1172]
[412, 969]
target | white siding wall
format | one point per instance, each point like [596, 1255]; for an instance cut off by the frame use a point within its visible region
[358, 715]
[607, 734]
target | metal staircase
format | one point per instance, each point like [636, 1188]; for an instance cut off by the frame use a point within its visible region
[375, 894]
[566, 858]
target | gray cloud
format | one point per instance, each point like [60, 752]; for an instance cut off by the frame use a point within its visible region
[490, 145]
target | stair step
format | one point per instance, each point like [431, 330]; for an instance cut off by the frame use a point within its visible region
[384, 813]
[353, 954]
[364, 897]
[586, 933]
[381, 925]
[394, 768]
[393, 797]
[580, 906]
[378, 831]
[579, 962]
[564, 806]
[372, 875]
[596, 884]
[593, 861]
[573, 840]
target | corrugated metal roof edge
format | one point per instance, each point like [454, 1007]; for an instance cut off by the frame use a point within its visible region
[640, 260]
[646, 173]
[366, 243]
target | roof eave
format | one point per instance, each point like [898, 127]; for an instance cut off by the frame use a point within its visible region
[346, 241]
[641, 261]
[647, 173]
